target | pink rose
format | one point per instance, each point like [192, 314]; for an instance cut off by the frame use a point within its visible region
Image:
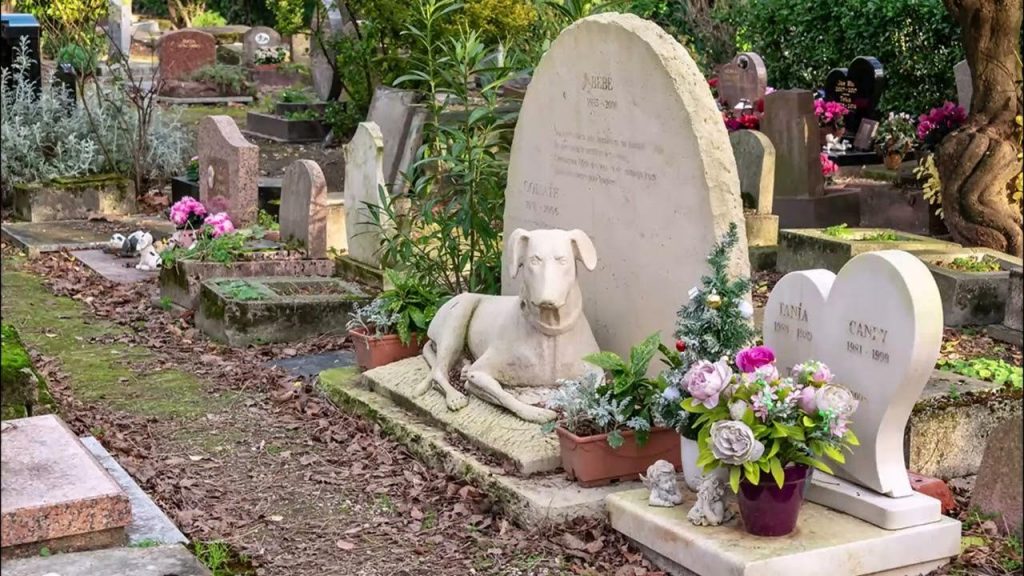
[706, 380]
[750, 359]
[806, 400]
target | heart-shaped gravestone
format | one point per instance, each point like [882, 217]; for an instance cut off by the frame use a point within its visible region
[743, 78]
[859, 88]
[879, 329]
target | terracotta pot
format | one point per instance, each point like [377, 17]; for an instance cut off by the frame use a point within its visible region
[893, 160]
[373, 352]
[592, 462]
[768, 510]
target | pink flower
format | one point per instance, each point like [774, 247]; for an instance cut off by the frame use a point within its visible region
[828, 167]
[186, 208]
[220, 224]
[750, 359]
[706, 380]
[805, 399]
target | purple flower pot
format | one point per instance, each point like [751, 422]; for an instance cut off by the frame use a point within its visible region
[768, 510]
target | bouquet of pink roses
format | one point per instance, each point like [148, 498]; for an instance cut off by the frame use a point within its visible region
[756, 421]
[830, 114]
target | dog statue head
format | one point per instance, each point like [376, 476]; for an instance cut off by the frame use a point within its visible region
[145, 241]
[546, 259]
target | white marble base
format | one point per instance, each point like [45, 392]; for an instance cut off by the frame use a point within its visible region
[825, 542]
[880, 510]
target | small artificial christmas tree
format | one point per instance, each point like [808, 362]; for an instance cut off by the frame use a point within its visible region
[714, 323]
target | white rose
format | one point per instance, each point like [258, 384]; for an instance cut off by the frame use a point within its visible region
[737, 409]
[835, 399]
[746, 309]
[733, 442]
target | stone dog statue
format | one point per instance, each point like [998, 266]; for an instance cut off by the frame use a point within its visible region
[531, 340]
[661, 481]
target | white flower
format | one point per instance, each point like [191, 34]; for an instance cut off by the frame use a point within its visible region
[733, 442]
[746, 309]
[737, 409]
[835, 399]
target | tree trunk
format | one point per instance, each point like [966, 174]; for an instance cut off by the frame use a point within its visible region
[977, 161]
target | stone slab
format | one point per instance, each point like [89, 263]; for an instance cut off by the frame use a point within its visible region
[52, 486]
[1005, 334]
[205, 100]
[537, 501]
[149, 523]
[811, 249]
[488, 427]
[825, 541]
[883, 511]
[113, 267]
[154, 561]
[313, 364]
[37, 238]
[997, 489]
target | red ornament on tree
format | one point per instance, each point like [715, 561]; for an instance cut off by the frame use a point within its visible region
[680, 346]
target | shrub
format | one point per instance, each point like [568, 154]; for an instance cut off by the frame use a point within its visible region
[290, 16]
[230, 80]
[208, 18]
[59, 19]
[801, 40]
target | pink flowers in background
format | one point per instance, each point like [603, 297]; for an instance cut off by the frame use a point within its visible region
[187, 210]
[744, 122]
[705, 381]
[828, 167]
[830, 114]
[219, 224]
[933, 126]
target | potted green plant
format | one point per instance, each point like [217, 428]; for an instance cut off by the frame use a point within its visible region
[608, 426]
[393, 325]
[767, 431]
[895, 137]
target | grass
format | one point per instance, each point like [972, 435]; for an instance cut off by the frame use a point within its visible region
[383, 504]
[220, 560]
[145, 543]
[191, 115]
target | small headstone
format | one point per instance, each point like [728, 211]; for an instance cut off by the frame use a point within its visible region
[755, 162]
[620, 137]
[401, 122]
[364, 176]
[997, 489]
[120, 28]
[300, 48]
[228, 170]
[256, 39]
[743, 78]
[182, 52]
[865, 134]
[304, 207]
[964, 84]
[790, 124]
[859, 88]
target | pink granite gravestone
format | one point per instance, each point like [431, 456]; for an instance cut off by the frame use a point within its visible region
[304, 207]
[997, 489]
[743, 78]
[790, 124]
[228, 170]
[183, 52]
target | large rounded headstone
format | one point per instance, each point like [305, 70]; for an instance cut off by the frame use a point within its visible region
[620, 136]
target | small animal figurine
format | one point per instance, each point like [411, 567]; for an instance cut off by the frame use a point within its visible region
[149, 258]
[130, 246]
[710, 509]
[116, 242]
[833, 144]
[661, 481]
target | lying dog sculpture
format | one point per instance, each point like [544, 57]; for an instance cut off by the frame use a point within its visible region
[530, 340]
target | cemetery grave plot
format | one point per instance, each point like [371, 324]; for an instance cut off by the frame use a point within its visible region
[243, 311]
[974, 284]
[831, 248]
[292, 127]
[74, 198]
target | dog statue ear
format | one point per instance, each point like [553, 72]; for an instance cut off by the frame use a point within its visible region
[517, 246]
[583, 248]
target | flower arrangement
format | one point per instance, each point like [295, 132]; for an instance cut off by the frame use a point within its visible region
[756, 421]
[219, 224]
[715, 322]
[828, 168]
[895, 135]
[743, 122]
[192, 170]
[188, 213]
[830, 115]
[271, 55]
[933, 126]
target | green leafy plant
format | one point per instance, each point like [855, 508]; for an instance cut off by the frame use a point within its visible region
[307, 115]
[896, 135]
[224, 249]
[294, 96]
[996, 371]
[927, 173]
[290, 16]
[241, 290]
[881, 236]
[229, 80]
[837, 231]
[970, 264]
[267, 221]
[405, 308]
[83, 59]
[208, 18]
[219, 559]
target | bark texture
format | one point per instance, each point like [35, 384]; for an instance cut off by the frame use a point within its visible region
[976, 162]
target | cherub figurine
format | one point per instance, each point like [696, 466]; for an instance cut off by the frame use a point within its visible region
[661, 481]
[710, 508]
[833, 144]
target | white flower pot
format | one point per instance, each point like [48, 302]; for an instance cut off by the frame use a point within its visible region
[691, 472]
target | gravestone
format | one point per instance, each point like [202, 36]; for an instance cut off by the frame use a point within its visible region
[878, 326]
[789, 122]
[401, 122]
[328, 25]
[620, 137]
[182, 52]
[258, 38]
[228, 170]
[304, 207]
[755, 163]
[997, 489]
[119, 28]
[364, 175]
[859, 88]
[743, 78]
[964, 84]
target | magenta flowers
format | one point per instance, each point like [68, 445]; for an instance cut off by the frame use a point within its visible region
[187, 210]
[219, 224]
[933, 126]
[830, 114]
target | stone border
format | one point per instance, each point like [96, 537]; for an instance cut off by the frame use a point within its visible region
[971, 298]
[205, 100]
[812, 248]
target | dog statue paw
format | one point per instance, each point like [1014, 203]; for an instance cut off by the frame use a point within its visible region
[149, 258]
[661, 481]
